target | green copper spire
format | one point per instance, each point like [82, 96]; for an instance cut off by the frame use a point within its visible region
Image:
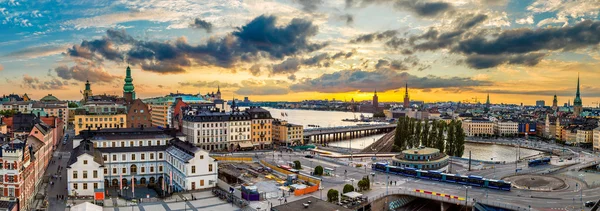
[87, 85]
[577, 101]
[128, 87]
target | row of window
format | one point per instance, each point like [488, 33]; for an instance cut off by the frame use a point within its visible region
[85, 174]
[133, 157]
[133, 170]
[85, 185]
[105, 119]
[131, 143]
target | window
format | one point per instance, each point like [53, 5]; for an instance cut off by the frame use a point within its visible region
[151, 169]
[132, 156]
[201, 182]
[95, 185]
[151, 156]
[160, 155]
[141, 143]
[160, 168]
[113, 144]
[123, 157]
[193, 169]
[74, 174]
[149, 143]
[104, 157]
[105, 171]
[143, 169]
[75, 186]
[122, 144]
[124, 170]
[201, 156]
[85, 186]
[84, 162]
[210, 168]
[114, 157]
[131, 143]
[143, 156]
[85, 174]
[95, 174]
[114, 170]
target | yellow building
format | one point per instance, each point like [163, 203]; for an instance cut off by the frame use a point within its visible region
[261, 127]
[285, 133]
[585, 135]
[478, 127]
[160, 114]
[596, 138]
[83, 121]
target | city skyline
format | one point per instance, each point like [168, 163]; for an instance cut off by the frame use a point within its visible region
[301, 50]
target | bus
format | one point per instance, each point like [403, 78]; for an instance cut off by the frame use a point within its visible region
[285, 167]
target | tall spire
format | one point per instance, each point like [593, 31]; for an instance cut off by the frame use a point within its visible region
[375, 92]
[128, 86]
[577, 101]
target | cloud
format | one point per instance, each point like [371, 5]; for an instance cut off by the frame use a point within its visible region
[256, 69]
[31, 82]
[381, 79]
[293, 65]
[36, 51]
[423, 8]
[111, 20]
[410, 62]
[309, 5]
[289, 66]
[526, 20]
[260, 38]
[263, 87]
[85, 71]
[211, 84]
[201, 24]
[368, 38]
[478, 61]
[348, 18]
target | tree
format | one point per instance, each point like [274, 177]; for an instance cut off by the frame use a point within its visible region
[348, 188]
[332, 195]
[379, 115]
[450, 139]
[7, 113]
[73, 105]
[297, 165]
[431, 140]
[440, 136]
[318, 170]
[459, 146]
[417, 134]
[368, 182]
[425, 133]
[361, 185]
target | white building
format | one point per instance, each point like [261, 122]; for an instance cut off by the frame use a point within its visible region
[479, 127]
[150, 155]
[216, 130]
[506, 128]
[85, 170]
[596, 138]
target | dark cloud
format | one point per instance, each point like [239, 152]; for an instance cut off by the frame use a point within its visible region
[36, 51]
[293, 64]
[211, 84]
[201, 24]
[408, 63]
[469, 21]
[423, 8]
[34, 83]
[382, 79]
[255, 70]
[261, 38]
[348, 18]
[342, 54]
[289, 66]
[368, 38]
[84, 72]
[266, 87]
[478, 61]
[434, 40]
[309, 5]
[525, 40]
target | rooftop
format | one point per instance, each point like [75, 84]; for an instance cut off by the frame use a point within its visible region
[421, 151]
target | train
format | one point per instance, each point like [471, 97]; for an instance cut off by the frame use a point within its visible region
[539, 161]
[471, 180]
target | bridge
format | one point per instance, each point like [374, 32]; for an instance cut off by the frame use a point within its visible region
[329, 134]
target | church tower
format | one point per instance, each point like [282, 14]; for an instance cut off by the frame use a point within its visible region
[375, 102]
[555, 103]
[87, 93]
[128, 88]
[487, 103]
[577, 104]
[218, 96]
[406, 99]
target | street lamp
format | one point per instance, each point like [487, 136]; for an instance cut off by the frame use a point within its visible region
[466, 195]
[185, 203]
[581, 191]
[493, 166]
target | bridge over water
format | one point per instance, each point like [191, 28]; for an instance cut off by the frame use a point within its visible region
[330, 134]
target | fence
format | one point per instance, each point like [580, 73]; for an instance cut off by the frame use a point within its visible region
[236, 159]
[300, 192]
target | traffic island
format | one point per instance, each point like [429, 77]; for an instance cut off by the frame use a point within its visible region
[536, 182]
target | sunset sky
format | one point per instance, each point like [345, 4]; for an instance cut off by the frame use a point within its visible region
[518, 51]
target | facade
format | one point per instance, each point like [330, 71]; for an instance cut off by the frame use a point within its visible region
[285, 133]
[53, 108]
[138, 114]
[585, 135]
[100, 115]
[17, 106]
[421, 158]
[217, 130]
[18, 170]
[161, 114]
[478, 127]
[149, 155]
[596, 139]
[261, 127]
[506, 128]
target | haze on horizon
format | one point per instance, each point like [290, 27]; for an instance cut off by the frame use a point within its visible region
[518, 51]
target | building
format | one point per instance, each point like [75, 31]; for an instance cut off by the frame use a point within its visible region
[138, 114]
[87, 93]
[406, 98]
[506, 128]
[540, 103]
[53, 107]
[577, 104]
[555, 103]
[128, 88]
[422, 158]
[375, 102]
[585, 135]
[487, 104]
[285, 133]
[596, 139]
[526, 127]
[478, 127]
[261, 127]
[100, 115]
[17, 106]
[18, 170]
[213, 129]
[161, 114]
[162, 109]
[140, 156]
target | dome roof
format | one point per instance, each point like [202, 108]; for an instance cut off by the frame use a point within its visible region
[48, 98]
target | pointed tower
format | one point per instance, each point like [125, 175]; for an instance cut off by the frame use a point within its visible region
[218, 92]
[487, 103]
[375, 102]
[128, 88]
[555, 103]
[87, 93]
[577, 104]
[406, 98]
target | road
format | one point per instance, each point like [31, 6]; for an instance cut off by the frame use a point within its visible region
[58, 167]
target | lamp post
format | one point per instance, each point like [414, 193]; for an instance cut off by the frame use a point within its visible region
[581, 191]
[493, 166]
[466, 195]
[185, 203]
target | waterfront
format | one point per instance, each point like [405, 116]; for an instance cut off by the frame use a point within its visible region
[320, 118]
[498, 152]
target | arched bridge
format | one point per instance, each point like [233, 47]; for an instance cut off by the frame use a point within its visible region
[329, 134]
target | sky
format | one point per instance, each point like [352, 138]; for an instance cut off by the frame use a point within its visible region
[517, 51]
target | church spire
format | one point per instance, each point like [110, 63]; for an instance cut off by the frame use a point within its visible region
[128, 87]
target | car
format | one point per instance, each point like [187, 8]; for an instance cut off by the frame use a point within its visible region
[309, 156]
[589, 203]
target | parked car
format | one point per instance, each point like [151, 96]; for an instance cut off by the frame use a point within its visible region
[589, 203]
[309, 156]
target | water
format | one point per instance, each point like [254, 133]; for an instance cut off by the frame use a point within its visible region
[498, 152]
[334, 118]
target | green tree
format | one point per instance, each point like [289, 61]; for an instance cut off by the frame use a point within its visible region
[332, 195]
[297, 165]
[73, 105]
[417, 134]
[459, 147]
[425, 133]
[318, 170]
[361, 185]
[439, 142]
[432, 134]
[450, 139]
[348, 188]
[368, 184]
[7, 113]
[379, 115]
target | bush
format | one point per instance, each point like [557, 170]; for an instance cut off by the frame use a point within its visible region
[318, 170]
[332, 195]
[348, 188]
[297, 165]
